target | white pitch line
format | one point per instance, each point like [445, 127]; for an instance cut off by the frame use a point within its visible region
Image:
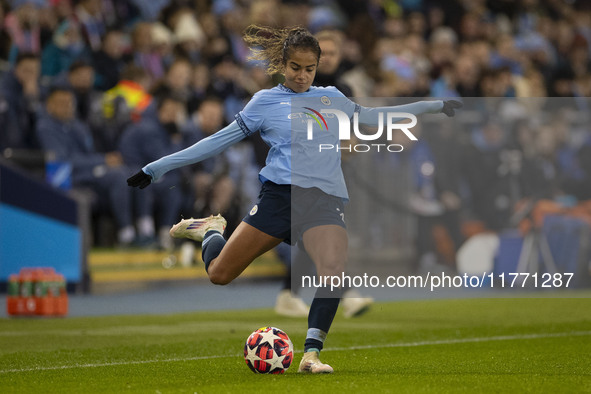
[116, 363]
[467, 340]
[335, 349]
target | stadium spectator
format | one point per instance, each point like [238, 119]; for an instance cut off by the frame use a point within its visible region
[187, 33]
[67, 139]
[20, 94]
[156, 135]
[143, 50]
[89, 14]
[561, 83]
[506, 55]
[119, 106]
[546, 147]
[494, 182]
[200, 86]
[108, 62]
[63, 9]
[176, 81]
[232, 24]
[228, 83]
[65, 47]
[467, 74]
[149, 10]
[560, 150]
[442, 47]
[496, 83]
[330, 68]
[80, 78]
[22, 24]
[163, 43]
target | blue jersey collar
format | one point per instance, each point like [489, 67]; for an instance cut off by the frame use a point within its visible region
[288, 90]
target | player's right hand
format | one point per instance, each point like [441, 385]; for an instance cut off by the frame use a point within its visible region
[141, 180]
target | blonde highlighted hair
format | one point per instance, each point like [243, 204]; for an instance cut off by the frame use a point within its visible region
[274, 45]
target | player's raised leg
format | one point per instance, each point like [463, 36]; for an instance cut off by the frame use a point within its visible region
[225, 260]
[246, 244]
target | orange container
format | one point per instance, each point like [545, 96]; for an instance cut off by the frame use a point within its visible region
[27, 304]
[37, 291]
[61, 301]
[12, 300]
[44, 304]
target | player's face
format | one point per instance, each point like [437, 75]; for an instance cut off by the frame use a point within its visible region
[300, 70]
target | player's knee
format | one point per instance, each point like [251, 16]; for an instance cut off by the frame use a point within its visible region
[332, 265]
[219, 277]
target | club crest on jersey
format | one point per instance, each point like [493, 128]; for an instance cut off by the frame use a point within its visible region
[325, 100]
[254, 210]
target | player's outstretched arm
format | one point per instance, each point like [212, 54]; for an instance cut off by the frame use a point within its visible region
[369, 115]
[206, 148]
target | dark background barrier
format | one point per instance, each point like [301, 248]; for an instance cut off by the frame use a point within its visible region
[38, 227]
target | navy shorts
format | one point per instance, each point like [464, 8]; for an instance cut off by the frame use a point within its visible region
[311, 207]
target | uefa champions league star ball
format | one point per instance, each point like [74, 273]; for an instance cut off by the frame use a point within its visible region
[268, 350]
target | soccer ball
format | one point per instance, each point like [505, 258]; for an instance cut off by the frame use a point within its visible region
[268, 350]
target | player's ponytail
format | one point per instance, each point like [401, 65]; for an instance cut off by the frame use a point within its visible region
[274, 45]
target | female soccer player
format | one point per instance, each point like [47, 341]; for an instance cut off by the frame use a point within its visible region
[316, 188]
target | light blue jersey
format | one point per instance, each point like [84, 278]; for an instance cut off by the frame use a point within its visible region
[282, 117]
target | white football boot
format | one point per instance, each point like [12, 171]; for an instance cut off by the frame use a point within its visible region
[354, 304]
[289, 305]
[311, 364]
[196, 229]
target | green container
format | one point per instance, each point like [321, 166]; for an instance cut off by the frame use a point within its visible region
[41, 288]
[13, 286]
[54, 287]
[62, 285]
[26, 287]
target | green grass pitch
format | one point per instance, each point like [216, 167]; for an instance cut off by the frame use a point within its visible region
[437, 346]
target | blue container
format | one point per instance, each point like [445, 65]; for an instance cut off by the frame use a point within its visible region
[59, 174]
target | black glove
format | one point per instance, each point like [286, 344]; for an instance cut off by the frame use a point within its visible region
[140, 179]
[449, 107]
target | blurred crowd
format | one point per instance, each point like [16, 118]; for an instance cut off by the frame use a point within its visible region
[110, 85]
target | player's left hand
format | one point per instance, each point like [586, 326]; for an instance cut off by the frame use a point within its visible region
[449, 107]
[141, 180]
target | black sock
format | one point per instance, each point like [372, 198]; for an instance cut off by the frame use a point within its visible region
[322, 312]
[212, 245]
